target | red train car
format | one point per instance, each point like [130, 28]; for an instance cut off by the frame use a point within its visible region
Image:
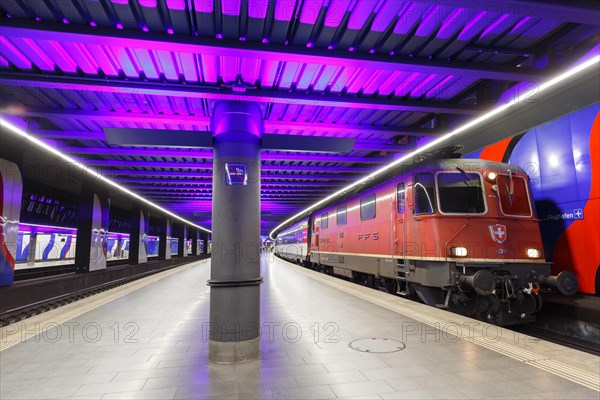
[461, 234]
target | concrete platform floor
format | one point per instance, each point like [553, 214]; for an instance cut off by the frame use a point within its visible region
[147, 340]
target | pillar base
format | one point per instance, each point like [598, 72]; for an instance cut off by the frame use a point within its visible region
[233, 352]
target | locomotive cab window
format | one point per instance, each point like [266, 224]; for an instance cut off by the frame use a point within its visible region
[324, 221]
[367, 207]
[400, 197]
[424, 194]
[460, 193]
[342, 215]
[514, 198]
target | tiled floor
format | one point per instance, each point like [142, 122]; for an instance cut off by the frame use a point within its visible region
[151, 344]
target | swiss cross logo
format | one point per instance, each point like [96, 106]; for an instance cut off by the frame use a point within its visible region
[498, 233]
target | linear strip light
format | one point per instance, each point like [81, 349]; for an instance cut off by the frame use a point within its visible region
[552, 82]
[92, 172]
[64, 228]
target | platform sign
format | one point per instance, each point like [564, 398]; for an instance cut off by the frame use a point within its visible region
[236, 174]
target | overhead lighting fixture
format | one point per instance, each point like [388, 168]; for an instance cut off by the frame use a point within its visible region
[92, 172]
[477, 121]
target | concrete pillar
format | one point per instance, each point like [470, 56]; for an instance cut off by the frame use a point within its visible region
[235, 261]
[182, 250]
[194, 237]
[32, 247]
[11, 191]
[204, 237]
[93, 215]
[138, 236]
[164, 244]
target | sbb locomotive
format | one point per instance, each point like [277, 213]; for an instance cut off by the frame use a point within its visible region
[461, 234]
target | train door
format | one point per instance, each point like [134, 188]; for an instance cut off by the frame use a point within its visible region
[309, 238]
[315, 249]
[399, 238]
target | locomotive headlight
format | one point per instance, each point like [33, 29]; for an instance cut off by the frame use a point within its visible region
[534, 253]
[458, 251]
[491, 176]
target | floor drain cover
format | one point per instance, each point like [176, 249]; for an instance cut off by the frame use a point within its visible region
[377, 345]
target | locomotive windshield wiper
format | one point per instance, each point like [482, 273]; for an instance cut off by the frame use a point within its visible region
[471, 181]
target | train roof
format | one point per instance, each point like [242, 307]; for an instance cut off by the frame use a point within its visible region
[465, 164]
[426, 162]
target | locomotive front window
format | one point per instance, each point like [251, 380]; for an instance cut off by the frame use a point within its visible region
[512, 191]
[424, 193]
[460, 193]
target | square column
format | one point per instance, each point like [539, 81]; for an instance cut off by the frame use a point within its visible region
[92, 230]
[11, 191]
[182, 249]
[164, 244]
[235, 260]
[195, 248]
[138, 236]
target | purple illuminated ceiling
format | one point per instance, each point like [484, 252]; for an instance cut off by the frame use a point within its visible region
[390, 74]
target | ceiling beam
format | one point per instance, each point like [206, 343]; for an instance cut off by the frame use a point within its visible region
[209, 183]
[134, 87]
[170, 138]
[208, 189]
[81, 34]
[581, 12]
[367, 145]
[209, 166]
[112, 116]
[109, 151]
[208, 175]
[270, 126]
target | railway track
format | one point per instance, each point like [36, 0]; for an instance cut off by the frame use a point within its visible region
[555, 322]
[535, 330]
[34, 308]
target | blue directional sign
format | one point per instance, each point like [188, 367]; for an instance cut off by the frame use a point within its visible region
[236, 174]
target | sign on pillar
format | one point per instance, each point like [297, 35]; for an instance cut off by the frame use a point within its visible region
[11, 190]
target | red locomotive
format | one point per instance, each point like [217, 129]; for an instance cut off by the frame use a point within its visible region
[461, 234]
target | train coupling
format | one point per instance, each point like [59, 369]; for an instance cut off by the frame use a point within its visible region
[482, 282]
[565, 282]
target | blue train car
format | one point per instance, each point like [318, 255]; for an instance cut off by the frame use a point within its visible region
[562, 159]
